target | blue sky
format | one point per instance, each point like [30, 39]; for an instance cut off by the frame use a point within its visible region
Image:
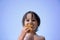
[12, 11]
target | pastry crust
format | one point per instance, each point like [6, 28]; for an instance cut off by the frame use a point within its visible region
[30, 27]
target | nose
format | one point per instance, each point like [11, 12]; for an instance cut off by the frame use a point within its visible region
[30, 22]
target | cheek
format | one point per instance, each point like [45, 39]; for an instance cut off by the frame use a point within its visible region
[35, 25]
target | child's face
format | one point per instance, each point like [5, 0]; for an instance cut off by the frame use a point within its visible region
[30, 19]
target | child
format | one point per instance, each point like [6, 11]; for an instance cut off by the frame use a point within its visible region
[29, 33]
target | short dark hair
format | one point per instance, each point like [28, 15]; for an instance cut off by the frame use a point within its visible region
[36, 16]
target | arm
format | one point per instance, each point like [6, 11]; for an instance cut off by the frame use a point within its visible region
[23, 33]
[21, 37]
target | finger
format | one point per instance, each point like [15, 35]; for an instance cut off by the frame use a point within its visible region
[27, 30]
[24, 27]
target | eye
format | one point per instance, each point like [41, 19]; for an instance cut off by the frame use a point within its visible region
[27, 20]
[33, 20]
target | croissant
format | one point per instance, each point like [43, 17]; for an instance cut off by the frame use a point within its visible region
[30, 27]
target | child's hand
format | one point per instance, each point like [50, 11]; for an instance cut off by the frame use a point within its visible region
[25, 30]
[30, 27]
[23, 33]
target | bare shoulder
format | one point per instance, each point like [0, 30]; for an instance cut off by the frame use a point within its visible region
[42, 37]
[39, 37]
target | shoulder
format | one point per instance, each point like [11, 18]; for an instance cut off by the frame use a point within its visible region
[40, 37]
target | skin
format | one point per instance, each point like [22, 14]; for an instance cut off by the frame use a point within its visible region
[30, 19]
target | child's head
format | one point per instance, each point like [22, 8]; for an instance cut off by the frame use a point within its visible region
[31, 18]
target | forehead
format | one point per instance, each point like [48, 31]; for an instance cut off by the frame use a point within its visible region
[30, 16]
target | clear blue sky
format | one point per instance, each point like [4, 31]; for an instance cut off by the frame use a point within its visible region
[12, 11]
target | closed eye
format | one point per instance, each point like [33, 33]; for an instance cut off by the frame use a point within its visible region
[33, 20]
[27, 20]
